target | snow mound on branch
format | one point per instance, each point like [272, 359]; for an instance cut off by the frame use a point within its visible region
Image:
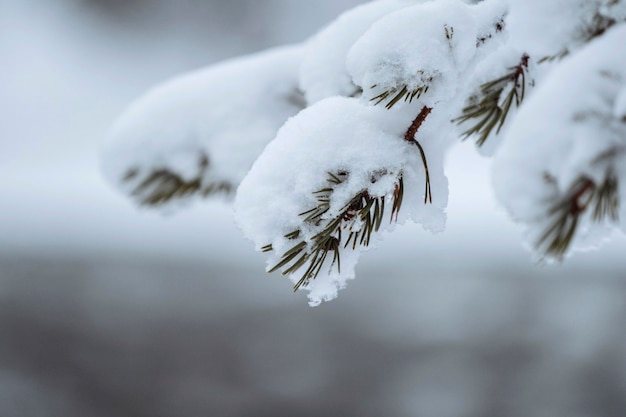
[362, 147]
[563, 133]
[614, 9]
[204, 129]
[323, 72]
[335, 135]
[430, 44]
[533, 25]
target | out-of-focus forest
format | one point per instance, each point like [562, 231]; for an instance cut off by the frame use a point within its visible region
[111, 310]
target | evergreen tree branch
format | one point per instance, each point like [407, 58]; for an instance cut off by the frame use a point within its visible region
[598, 26]
[497, 28]
[161, 186]
[359, 218]
[555, 57]
[402, 92]
[489, 109]
[564, 216]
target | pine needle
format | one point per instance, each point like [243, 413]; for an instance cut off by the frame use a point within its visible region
[402, 92]
[161, 186]
[360, 217]
[489, 109]
[564, 216]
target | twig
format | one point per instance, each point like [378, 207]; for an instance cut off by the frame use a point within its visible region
[409, 136]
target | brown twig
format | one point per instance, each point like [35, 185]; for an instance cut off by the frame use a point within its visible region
[409, 136]
[489, 107]
[578, 204]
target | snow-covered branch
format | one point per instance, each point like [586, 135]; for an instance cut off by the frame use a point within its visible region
[331, 143]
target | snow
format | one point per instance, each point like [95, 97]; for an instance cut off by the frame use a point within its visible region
[335, 135]
[562, 132]
[464, 307]
[533, 25]
[208, 125]
[338, 135]
[410, 59]
[323, 71]
[426, 45]
[534, 28]
[614, 10]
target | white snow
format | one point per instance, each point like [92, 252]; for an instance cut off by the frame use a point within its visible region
[430, 44]
[323, 72]
[562, 133]
[335, 135]
[351, 135]
[614, 9]
[535, 27]
[210, 124]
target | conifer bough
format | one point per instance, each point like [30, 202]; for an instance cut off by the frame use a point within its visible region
[325, 145]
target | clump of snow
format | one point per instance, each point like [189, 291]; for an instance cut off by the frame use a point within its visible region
[428, 45]
[534, 27]
[614, 9]
[335, 135]
[564, 133]
[323, 71]
[386, 83]
[208, 125]
[432, 44]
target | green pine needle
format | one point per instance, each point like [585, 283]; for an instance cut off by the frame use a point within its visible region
[161, 186]
[396, 94]
[490, 108]
[565, 214]
[555, 57]
[359, 218]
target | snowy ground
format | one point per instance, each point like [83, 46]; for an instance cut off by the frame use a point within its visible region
[109, 310]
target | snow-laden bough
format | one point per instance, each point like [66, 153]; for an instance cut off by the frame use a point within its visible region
[333, 142]
[198, 134]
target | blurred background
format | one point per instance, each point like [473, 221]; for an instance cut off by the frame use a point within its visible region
[110, 310]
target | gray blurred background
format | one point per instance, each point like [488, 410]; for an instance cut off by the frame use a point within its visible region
[109, 310]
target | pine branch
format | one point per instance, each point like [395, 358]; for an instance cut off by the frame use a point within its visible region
[161, 186]
[497, 28]
[607, 200]
[359, 218]
[565, 214]
[555, 57]
[598, 26]
[402, 92]
[406, 93]
[489, 109]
